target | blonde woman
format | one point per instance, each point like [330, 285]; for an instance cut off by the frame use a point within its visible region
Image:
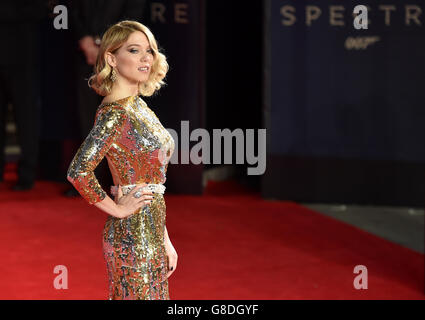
[137, 249]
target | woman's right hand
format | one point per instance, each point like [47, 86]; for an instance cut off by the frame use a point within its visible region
[128, 204]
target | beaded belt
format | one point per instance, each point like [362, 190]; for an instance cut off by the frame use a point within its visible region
[153, 187]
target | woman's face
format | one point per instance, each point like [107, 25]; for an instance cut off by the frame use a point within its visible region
[132, 59]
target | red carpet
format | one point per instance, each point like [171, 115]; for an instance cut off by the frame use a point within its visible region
[231, 245]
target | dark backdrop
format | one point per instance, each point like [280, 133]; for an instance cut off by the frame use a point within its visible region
[344, 124]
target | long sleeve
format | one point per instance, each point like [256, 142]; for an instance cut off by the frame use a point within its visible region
[109, 124]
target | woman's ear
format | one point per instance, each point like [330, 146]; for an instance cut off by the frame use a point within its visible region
[110, 59]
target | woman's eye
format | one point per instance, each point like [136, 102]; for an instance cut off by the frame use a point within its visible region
[136, 51]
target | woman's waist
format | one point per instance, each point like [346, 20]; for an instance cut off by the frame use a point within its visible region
[157, 188]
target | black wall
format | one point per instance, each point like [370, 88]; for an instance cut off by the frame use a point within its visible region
[234, 50]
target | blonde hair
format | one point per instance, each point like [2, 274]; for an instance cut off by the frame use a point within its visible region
[112, 40]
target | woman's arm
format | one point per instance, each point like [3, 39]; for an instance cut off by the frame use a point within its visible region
[110, 122]
[109, 206]
[166, 237]
[126, 205]
[171, 253]
[108, 126]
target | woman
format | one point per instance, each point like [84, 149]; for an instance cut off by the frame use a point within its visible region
[138, 252]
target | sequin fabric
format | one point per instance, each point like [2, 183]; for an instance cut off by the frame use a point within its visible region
[138, 149]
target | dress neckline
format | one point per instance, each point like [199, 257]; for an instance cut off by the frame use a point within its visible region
[119, 100]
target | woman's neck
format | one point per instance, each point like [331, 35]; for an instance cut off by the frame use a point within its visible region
[121, 91]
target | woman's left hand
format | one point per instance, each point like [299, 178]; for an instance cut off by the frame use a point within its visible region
[172, 257]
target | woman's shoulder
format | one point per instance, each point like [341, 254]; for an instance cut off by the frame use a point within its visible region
[111, 109]
[119, 105]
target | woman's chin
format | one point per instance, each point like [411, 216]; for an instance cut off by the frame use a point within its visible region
[143, 78]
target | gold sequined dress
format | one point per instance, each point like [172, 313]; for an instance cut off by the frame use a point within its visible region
[138, 148]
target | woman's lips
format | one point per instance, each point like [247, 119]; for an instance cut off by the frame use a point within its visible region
[143, 69]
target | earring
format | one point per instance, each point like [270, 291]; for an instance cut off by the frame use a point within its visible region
[113, 75]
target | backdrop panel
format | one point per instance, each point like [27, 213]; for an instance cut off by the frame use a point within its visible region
[341, 100]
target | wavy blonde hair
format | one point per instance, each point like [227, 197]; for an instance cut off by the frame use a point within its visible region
[112, 40]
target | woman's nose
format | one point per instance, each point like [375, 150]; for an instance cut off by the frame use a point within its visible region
[144, 57]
